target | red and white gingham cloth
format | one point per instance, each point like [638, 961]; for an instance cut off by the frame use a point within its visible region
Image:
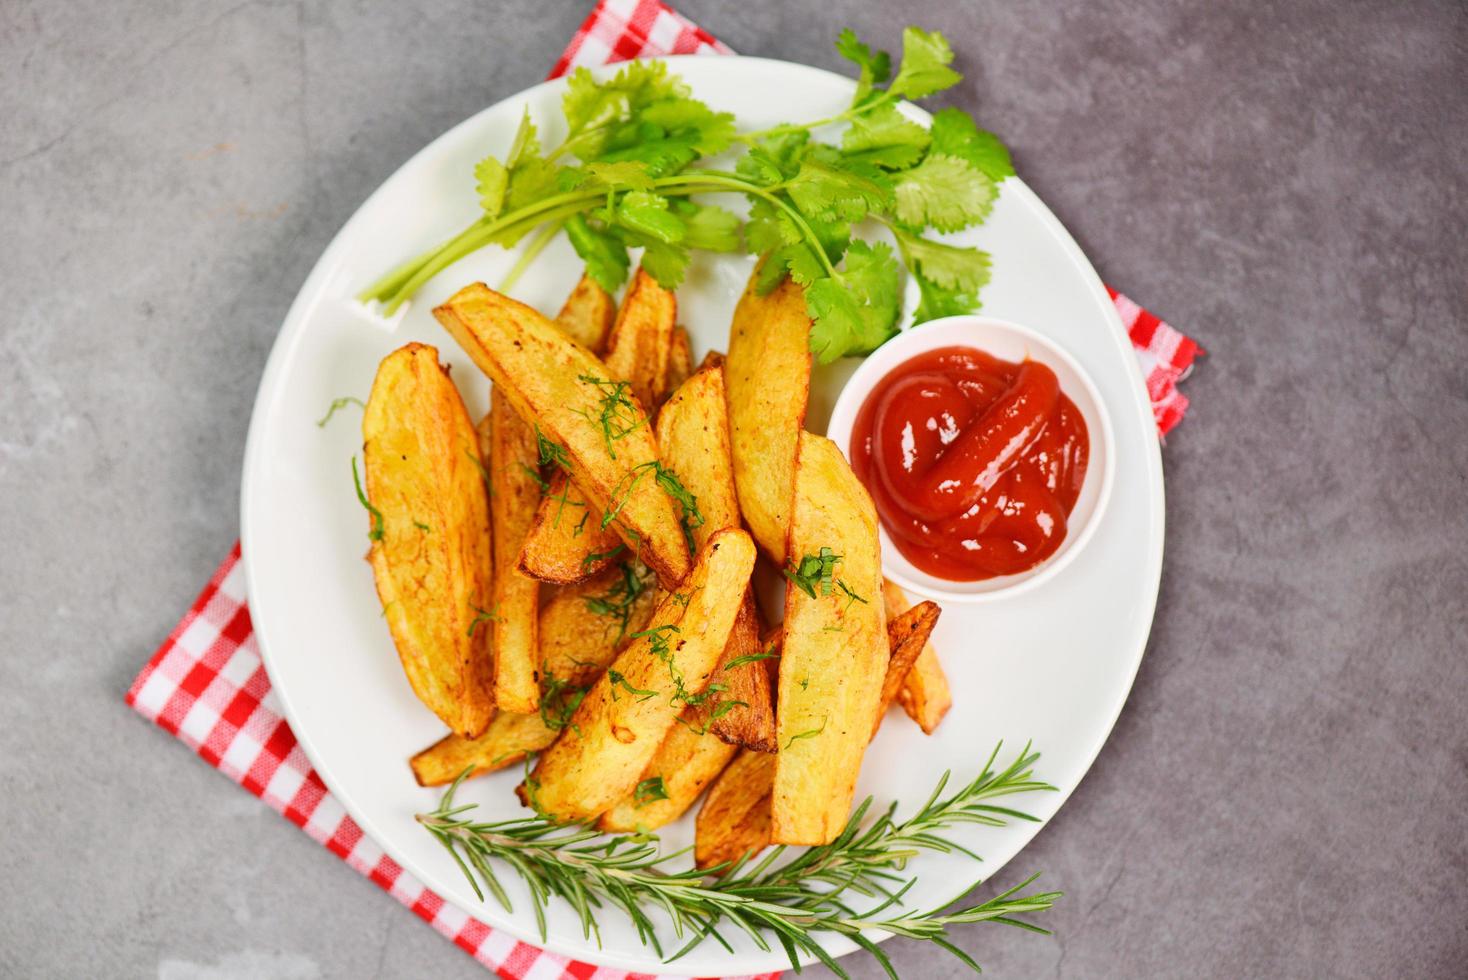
[207, 685]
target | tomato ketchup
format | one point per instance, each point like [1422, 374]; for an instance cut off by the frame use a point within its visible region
[974, 463]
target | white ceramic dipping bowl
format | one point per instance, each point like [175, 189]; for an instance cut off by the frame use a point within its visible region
[1009, 342]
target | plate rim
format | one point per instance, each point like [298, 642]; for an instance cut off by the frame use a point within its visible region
[289, 336]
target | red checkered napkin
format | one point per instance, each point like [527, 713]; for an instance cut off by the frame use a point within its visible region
[207, 685]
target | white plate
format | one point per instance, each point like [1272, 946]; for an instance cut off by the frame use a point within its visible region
[1053, 665]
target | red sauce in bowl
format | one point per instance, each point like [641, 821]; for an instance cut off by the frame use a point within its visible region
[974, 463]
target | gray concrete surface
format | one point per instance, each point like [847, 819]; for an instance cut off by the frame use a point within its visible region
[1284, 794]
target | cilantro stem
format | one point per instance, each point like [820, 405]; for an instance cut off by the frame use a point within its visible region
[531, 253]
[784, 128]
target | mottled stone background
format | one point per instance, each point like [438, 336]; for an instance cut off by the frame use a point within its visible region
[1285, 792]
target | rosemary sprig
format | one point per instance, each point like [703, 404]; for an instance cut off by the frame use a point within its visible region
[787, 902]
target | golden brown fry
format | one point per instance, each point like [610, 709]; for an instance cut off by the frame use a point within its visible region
[566, 542]
[588, 314]
[925, 694]
[907, 635]
[680, 363]
[541, 372]
[577, 642]
[686, 762]
[834, 650]
[509, 445]
[735, 818]
[624, 718]
[432, 559]
[768, 375]
[693, 437]
[642, 338]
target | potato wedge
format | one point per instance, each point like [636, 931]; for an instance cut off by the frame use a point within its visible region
[624, 718]
[431, 557]
[587, 314]
[907, 636]
[543, 373]
[686, 762]
[566, 543]
[580, 632]
[768, 375]
[834, 651]
[642, 338]
[925, 694]
[509, 445]
[680, 363]
[735, 818]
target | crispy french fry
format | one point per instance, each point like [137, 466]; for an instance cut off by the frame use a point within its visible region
[735, 818]
[588, 314]
[642, 338]
[680, 363]
[580, 632]
[834, 651]
[768, 376]
[509, 445]
[624, 718]
[925, 694]
[543, 374]
[431, 557]
[686, 762]
[714, 359]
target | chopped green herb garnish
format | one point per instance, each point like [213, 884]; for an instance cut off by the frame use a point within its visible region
[814, 570]
[483, 473]
[598, 556]
[690, 518]
[339, 403]
[422, 527]
[559, 699]
[648, 790]
[480, 616]
[851, 597]
[534, 475]
[684, 598]
[617, 415]
[620, 681]
[549, 452]
[376, 533]
[618, 600]
[809, 734]
[750, 658]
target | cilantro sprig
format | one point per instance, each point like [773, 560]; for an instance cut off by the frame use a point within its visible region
[625, 178]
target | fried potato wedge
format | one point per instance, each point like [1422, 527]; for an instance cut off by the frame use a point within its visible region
[680, 362]
[693, 436]
[580, 632]
[642, 338]
[587, 314]
[509, 446]
[566, 543]
[768, 376]
[432, 556]
[624, 718]
[544, 375]
[925, 694]
[735, 817]
[686, 762]
[835, 650]
[907, 637]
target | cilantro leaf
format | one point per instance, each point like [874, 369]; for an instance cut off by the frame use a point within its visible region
[605, 256]
[824, 191]
[647, 214]
[616, 176]
[944, 192]
[665, 262]
[885, 137]
[491, 180]
[924, 69]
[708, 227]
[939, 301]
[709, 132]
[856, 313]
[876, 66]
[950, 266]
[769, 228]
[956, 134]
